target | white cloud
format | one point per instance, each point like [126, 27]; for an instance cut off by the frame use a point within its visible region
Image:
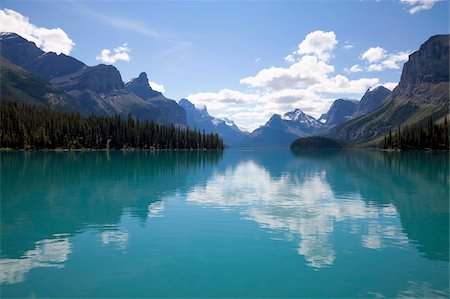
[389, 61]
[257, 60]
[393, 59]
[308, 218]
[121, 53]
[49, 40]
[342, 85]
[390, 85]
[307, 71]
[354, 69]
[374, 54]
[419, 5]
[318, 43]
[156, 86]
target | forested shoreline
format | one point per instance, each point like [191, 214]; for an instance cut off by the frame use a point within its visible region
[431, 136]
[32, 128]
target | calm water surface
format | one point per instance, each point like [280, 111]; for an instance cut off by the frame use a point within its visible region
[242, 223]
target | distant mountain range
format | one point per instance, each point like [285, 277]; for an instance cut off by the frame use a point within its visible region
[283, 130]
[62, 82]
[200, 119]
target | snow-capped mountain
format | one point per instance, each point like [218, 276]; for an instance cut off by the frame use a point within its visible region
[200, 119]
[283, 129]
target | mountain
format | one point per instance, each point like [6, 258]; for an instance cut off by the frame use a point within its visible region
[200, 119]
[98, 89]
[371, 100]
[341, 110]
[20, 85]
[423, 91]
[283, 129]
[170, 111]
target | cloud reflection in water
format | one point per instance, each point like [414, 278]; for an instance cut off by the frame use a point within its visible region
[303, 206]
[51, 253]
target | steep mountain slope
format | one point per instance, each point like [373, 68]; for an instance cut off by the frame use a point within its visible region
[98, 89]
[281, 130]
[170, 111]
[423, 91]
[19, 85]
[200, 119]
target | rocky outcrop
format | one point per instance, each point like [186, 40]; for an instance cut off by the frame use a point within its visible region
[140, 87]
[169, 110]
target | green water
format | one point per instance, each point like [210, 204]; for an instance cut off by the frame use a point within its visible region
[242, 223]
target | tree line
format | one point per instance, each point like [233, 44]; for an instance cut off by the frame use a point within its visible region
[30, 127]
[428, 136]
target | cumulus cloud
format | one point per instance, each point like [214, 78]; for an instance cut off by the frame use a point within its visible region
[49, 40]
[318, 43]
[156, 86]
[307, 71]
[380, 60]
[419, 5]
[373, 54]
[342, 85]
[121, 53]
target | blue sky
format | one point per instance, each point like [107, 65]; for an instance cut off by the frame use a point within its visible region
[231, 56]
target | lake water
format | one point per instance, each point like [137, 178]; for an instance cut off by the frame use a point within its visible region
[242, 223]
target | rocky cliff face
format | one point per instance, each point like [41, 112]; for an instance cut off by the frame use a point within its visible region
[425, 76]
[430, 64]
[100, 79]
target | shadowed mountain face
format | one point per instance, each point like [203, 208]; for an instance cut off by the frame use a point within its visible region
[170, 111]
[282, 130]
[371, 100]
[421, 93]
[340, 111]
[22, 86]
[98, 89]
[199, 118]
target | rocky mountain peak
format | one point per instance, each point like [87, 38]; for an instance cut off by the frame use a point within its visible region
[140, 87]
[143, 77]
[17, 49]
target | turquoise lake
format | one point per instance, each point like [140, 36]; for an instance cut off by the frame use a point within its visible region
[237, 223]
